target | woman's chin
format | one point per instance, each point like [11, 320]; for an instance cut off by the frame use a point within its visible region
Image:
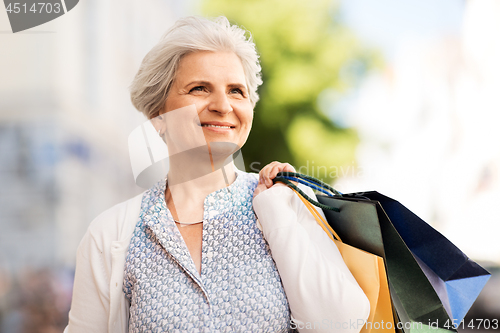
[222, 150]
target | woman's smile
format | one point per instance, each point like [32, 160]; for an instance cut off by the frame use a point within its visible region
[218, 127]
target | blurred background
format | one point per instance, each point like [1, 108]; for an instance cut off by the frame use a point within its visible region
[394, 96]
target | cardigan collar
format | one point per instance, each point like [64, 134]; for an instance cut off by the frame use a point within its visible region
[158, 218]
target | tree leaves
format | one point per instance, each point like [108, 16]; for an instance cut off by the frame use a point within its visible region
[304, 50]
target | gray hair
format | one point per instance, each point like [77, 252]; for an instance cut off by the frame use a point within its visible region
[157, 72]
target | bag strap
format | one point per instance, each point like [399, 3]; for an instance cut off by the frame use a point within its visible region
[310, 181]
[305, 196]
[321, 221]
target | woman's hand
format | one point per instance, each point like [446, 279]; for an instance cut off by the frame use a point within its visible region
[268, 173]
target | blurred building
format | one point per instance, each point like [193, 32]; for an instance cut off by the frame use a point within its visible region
[429, 132]
[429, 137]
[65, 115]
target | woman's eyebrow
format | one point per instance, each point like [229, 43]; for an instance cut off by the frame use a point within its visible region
[198, 82]
[207, 83]
[237, 85]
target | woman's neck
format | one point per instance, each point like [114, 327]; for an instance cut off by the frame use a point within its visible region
[185, 198]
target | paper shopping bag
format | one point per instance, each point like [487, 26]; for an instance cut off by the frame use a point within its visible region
[369, 271]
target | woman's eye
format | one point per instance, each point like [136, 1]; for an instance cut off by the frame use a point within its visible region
[197, 88]
[237, 91]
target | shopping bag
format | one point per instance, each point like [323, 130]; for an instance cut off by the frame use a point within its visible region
[369, 271]
[364, 224]
[457, 279]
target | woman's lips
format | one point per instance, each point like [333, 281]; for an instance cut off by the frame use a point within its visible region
[217, 126]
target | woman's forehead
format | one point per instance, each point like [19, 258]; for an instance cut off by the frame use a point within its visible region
[208, 66]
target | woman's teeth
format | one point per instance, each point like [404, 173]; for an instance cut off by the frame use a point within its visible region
[216, 126]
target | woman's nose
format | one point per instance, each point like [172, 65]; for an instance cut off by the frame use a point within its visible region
[220, 103]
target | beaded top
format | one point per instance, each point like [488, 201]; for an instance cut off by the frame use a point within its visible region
[239, 289]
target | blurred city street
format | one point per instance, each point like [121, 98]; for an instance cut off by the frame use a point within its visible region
[416, 119]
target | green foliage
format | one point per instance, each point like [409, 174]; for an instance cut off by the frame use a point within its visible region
[304, 50]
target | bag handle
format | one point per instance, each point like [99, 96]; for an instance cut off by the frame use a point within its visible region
[309, 181]
[284, 177]
[321, 221]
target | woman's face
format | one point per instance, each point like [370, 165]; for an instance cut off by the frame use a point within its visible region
[214, 82]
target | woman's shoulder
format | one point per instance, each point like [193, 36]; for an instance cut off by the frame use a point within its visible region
[247, 181]
[117, 222]
[249, 178]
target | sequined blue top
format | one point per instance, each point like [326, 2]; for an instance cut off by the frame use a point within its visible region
[239, 289]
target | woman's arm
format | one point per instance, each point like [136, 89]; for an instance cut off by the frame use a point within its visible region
[99, 304]
[90, 303]
[321, 290]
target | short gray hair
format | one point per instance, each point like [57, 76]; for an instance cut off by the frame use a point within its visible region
[157, 72]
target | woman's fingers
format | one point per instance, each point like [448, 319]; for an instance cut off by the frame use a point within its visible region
[269, 172]
[264, 173]
[280, 168]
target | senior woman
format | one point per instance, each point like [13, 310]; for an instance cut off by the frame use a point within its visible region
[190, 254]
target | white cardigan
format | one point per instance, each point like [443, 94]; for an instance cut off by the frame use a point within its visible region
[322, 294]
